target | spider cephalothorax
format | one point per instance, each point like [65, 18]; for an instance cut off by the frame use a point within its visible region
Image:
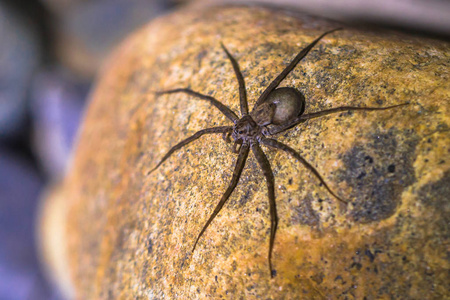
[246, 130]
[276, 110]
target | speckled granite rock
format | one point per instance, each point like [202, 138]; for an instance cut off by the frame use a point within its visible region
[129, 234]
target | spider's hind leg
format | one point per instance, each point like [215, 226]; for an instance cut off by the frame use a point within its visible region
[278, 145]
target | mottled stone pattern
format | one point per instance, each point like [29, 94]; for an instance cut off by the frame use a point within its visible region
[130, 234]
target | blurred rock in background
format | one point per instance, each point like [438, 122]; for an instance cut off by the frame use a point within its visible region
[50, 51]
[20, 54]
[426, 17]
[90, 29]
[20, 275]
[57, 102]
[87, 31]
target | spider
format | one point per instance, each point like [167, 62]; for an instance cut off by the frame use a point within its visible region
[276, 110]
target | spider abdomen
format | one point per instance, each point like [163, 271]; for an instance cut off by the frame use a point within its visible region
[281, 106]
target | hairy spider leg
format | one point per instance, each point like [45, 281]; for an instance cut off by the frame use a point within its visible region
[274, 84]
[241, 81]
[223, 108]
[302, 118]
[267, 171]
[226, 136]
[198, 134]
[240, 163]
[278, 145]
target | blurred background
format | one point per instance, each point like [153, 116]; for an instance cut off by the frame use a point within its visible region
[50, 53]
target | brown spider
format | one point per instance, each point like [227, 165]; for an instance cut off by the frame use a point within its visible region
[281, 108]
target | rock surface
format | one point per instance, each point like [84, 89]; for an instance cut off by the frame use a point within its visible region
[129, 234]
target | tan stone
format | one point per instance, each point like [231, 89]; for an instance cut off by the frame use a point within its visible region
[130, 235]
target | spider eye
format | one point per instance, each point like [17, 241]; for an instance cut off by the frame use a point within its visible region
[240, 132]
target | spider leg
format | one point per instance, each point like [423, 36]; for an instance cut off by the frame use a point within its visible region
[237, 146]
[274, 84]
[344, 108]
[240, 78]
[267, 170]
[303, 118]
[198, 134]
[223, 108]
[226, 136]
[278, 145]
[240, 163]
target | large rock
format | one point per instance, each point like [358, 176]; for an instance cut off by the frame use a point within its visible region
[120, 233]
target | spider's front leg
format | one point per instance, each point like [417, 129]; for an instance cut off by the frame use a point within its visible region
[226, 136]
[237, 146]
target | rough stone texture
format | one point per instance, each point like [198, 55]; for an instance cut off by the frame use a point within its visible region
[130, 235]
